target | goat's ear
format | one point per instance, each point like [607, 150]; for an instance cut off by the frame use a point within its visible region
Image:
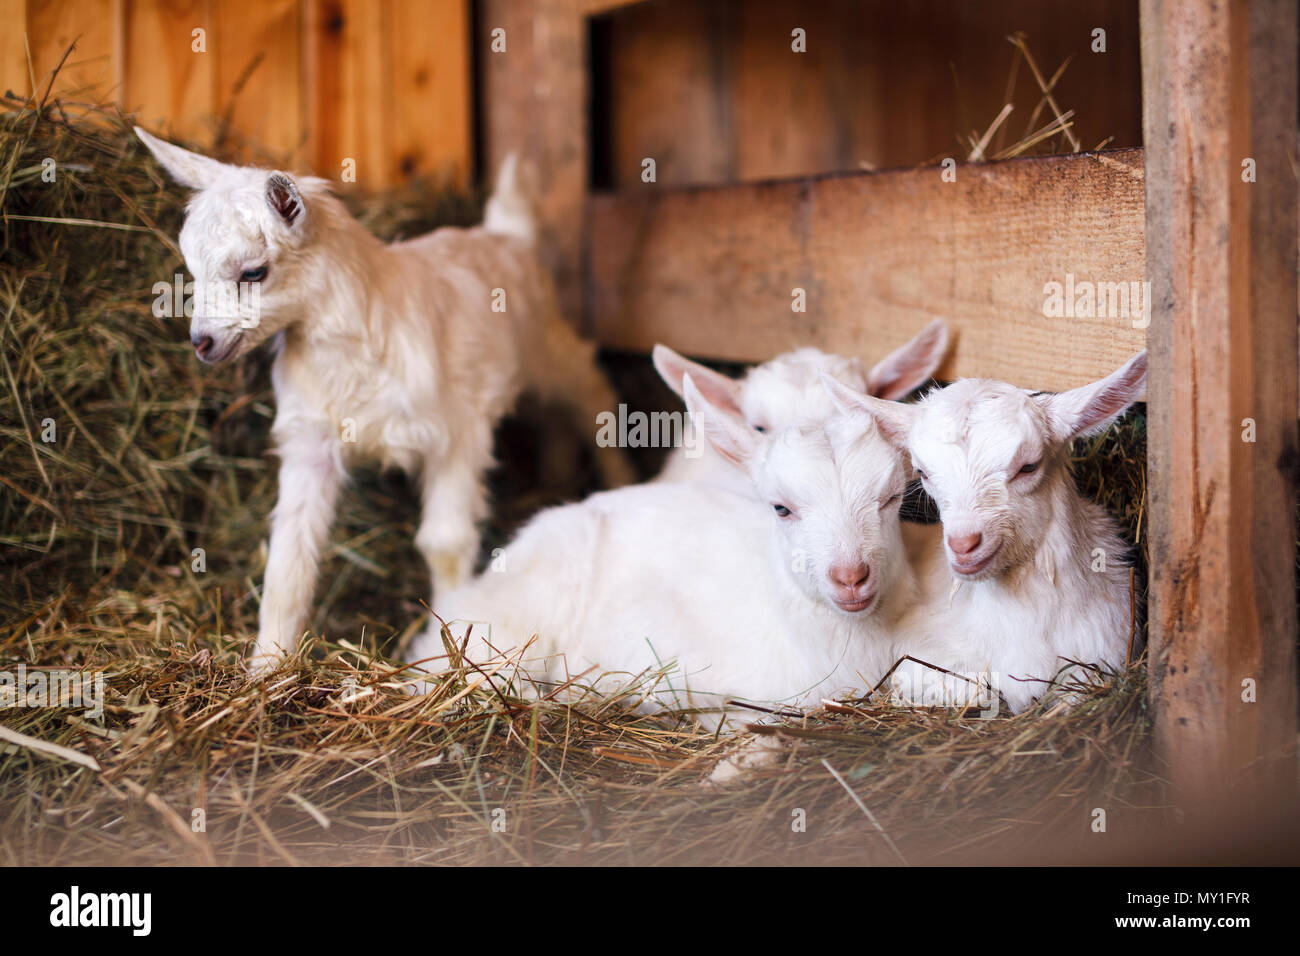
[717, 388]
[725, 429]
[188, 169]
[908, 368]
[284, 199]
[1090, 408]
[893, 418]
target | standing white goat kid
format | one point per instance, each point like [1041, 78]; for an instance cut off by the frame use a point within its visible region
[783, 594]
[1035, 579]
[788, 389]
[405, 354]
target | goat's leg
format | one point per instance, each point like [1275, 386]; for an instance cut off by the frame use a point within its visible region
[569, 374]
[311, 475]
[454, 502]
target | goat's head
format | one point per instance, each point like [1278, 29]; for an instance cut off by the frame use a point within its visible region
[989, 453]
[833, 490]
[788, 388]
[245, 241]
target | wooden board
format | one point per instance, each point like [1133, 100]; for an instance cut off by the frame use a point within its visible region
[710, 272]
[1221, 86]
[94, 69]
[296, 83]
[880, 82]
[430, 96]
[345, 89]
[259, 72]
[15, 76]
[166, 79]
[534, 98]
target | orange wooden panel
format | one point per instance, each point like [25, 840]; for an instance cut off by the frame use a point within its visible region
[166, 79]
[430, 89]
[91, 71]
[14, 75]
[264, 103]
[346, 90]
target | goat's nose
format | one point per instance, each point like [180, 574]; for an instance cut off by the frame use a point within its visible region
[202, 344]
[964, 544]
[851, 575]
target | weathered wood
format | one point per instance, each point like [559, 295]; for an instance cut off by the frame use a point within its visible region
[535, 102]
[1220, 88]
[711, 272]
[715, 93]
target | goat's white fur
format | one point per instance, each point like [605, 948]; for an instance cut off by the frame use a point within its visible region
[1032, 600]
[397, 346]
[706, 575]
[788, 389]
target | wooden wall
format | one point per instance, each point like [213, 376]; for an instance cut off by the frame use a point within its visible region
[302, 83]
[712, 90]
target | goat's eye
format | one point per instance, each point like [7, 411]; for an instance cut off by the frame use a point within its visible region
[760, 428]
[781, 510]
[1029, 468]
[253, 275]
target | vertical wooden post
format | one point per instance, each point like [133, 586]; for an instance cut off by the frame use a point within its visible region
[1219, 91]
[535, 97]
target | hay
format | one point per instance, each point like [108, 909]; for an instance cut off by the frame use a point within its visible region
[326, 760]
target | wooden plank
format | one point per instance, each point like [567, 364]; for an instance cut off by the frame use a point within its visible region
[258, 52]
[166, 79]
[881, 83]
[534, 98]
[711, 271]
[430, 94]
[91, 72]
[1220, 86]
[669, 85]
[345, 84]
[14, 74]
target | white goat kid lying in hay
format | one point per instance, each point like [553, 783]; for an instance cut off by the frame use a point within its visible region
[386, 353]
[1035, 580]
[788, 389]
[781, 594]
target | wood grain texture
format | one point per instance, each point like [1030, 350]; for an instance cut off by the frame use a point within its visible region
[710, 272]
[345, 89]
[15, 76]
[884, 83]
[166, 79]
[534, 98]
[93, 70]
[1220, 86]
[430, 94]
[259, 75]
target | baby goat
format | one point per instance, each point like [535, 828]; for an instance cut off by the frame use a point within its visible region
[781, 594]
[788, 389]
[404, 354]
[1035, 579]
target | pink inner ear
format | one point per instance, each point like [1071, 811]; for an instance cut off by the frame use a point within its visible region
[907, 368]
[283, 197]
[718, 389]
